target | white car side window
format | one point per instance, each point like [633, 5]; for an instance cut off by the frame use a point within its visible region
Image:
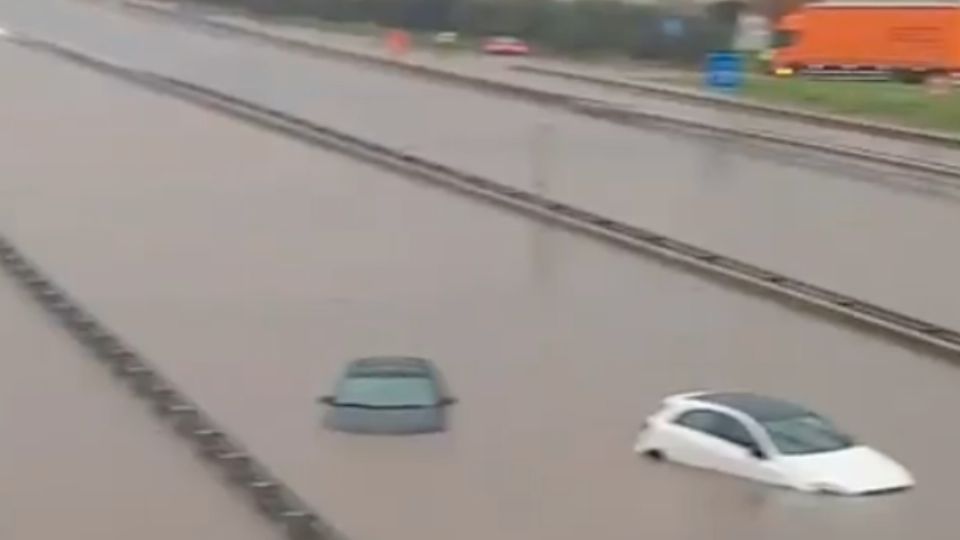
[698, 420]
[718, 425]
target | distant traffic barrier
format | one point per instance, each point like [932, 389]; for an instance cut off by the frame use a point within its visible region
[594, 108]
[792, 291]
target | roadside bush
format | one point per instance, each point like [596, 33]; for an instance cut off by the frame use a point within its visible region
[578, 26]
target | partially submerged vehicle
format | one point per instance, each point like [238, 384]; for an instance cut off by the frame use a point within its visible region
[389, 395]
[767, 440]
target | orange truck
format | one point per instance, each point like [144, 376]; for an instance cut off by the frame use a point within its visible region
[909, 40]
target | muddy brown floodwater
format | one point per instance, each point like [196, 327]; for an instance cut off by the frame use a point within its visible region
[80, 458]
[251, 268]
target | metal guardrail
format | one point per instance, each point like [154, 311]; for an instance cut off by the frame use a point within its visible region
[268, 493]
[871, 128]
[868, 315]
[948, 174]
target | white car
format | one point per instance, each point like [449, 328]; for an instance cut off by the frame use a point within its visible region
[766, 440]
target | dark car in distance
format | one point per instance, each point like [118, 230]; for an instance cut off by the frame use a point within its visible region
[389, 395]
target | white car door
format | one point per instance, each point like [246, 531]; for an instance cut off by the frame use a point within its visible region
[714, 440]
[694, 441]
[750, 459]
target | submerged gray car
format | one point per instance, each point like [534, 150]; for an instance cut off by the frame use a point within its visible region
[389, 396]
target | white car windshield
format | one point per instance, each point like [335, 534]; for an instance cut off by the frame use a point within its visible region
[808, 434]
[387, 392]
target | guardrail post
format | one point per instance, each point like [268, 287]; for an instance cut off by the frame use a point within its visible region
[145, 380]
[239, 468]
[65, 309]
[267, 497]
[125, 362]
[17, 265]
[34, 280]
[301, 525]
[211, 442]
[101, 341]
[78, 322]
[163, 397]
[7, 253]
[186, 418]
[48, 293]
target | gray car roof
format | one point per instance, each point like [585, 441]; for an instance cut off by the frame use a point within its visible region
[761, 408]
[393, 365]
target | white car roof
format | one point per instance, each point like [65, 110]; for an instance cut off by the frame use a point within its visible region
[760, 408]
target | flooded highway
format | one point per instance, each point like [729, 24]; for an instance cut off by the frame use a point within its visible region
[250, 268]
[829, 222]
[81, 458]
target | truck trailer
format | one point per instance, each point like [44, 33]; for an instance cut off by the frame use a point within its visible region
[906, 40]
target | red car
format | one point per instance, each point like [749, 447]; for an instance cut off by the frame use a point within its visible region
[505, 46]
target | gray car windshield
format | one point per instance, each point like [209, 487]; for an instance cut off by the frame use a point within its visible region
[387, 392]
[808, 434]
